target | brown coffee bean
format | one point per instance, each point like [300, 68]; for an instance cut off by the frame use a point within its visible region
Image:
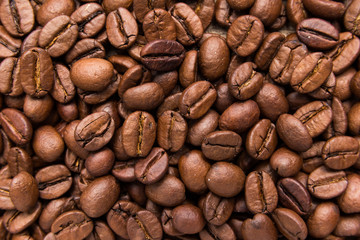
[85, 48]
[323, 220]
[10, 78]
[188, 219]
[5, 200]
[353, 114]
[36, 72]
[348, 226]
[138, 134]
[99, 163]
[312, 157]
[9, 46]
[144, 224]
[296, 11]
[245, 35]
[326, 90]
[47, 143]
[70, 141]
[266, 10]
[325, 9]
[19, 160]
[199, 128]
[260, 193]
[188, 72]
[52, 9]
[24, 192]
[290, 224]
[340, 152]
[286, 163]
[324, 183]
[224, 14]
[259, 227]
[221, 145]
[142, 7]
[167, 81]
[158, 24]
[38, 109]
[349, 200]
[217, 210]
[342, 87]
[350, 16]
[268, 50]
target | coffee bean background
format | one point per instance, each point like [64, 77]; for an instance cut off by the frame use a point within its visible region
[179, 119]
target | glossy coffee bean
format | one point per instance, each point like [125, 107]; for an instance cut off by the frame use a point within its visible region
[24, 192]
[260, 227]
[267, 11]
[10, 46]
[85, 48]
[323, 220]
[158, 24]
[268, 50]
[325, 9]
[99, 163]
[47, 143]
[144, 224]
[188, 219]
[6, 202]
[290, 224]
[348, 201]
[217, 210]
[19, 160]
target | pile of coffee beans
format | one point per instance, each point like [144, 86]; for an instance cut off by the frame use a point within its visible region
[179, 119]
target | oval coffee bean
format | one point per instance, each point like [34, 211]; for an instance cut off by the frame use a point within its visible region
[317, 33]
[325, 9]
[64, 89]
[340, 152]
[95, 131]
[158, 24]
[24, 192]
[286, 163]
[323, 219]
[217, 210]
[99, 163]
[99, 196]
[152, 168]
[162, 55]
[144, 225]
[9, 46]
[259, 227]
[47, 143]
[290, 224]
[324, 183]
[221, 145]
[85, 48]
[138, 134]
[188, 219]
[10, 79]
[5, 200]
[19, 160]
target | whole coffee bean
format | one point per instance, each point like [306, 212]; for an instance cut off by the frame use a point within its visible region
[312, 157]
[101, 231]
[268, 50]
[111, 108]
[85, 48]
[325, 9]
[50, 9]
[326, 90]
[286, 163]
[245, 82]
[199, 128]
[84, 74]
[31, 40]
[36, 72]
[261, 140]
[345, 53]
[214, 58]
[340, 152]
[9, 46]
[221, 145]
[324, 183]
[225, 179]
[271, 101]
[144, 224]
[217, 210]
[294, 196]
[323, 220]
[259, 227]
[53, 181]
[16, 221]
[158, 24]
[54, 209]
[293, 132]
[240, 116]
[64, 89]
[24, 192]
[152, 168]
[38, 109]
[224, 14]
[189, 28]
[70, 141]
[17, 17]
[205, 10]
[188, 72]
[260, 193]
[95, 131]
[342, 87]
[100, 163]
[317, 33]
[167, 223]
[72, 225]
[349, 200]
[348, 226]
[350, 18]
[118, 147]
[9, 79]
[188, 219]
[289, 223]
[122, 62]
[245, 35]
[58, 35]
[312, 71]
[99, 196]
[5, 200]
[296, 11]
[167, 81]
[142, 7]
[168, 192]
[162, 55]
[47, 143]
[134, 76]
[266, 10]
[144, 97]
[194, 180]
[286, 60]
[121, 28]
[138, 134]
[90, 18]
[16, 126]
[19, 160]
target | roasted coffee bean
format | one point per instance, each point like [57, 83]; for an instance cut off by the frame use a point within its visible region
[90, 18]
[294, 196]
[166, 80]
[9, 45]
[245, 35]
[349, 201]
[266, 10]
[260, 193]
[268, 50]
[188, 72]
[63, 90]
[348, 226]
[100, 163]
[70, 141]
[95, 131]
[199, 128]
[324, 183]
[134, 76]
[47, 143]
[240, 5]
[158, 24]
[171, 131]
[72, 225]
[342, 87]
[221, 145]
[19, 160]
[224, 14]
[85, 48]
[53, 181]
[261, 140]
[5, 200]
[24, 191]
[152, 168]
[289, 223]
[17, 17]
[350, 18]
[217, 210]
[142, 7]
[245, 82]
[340, 152]
[296, 11]
[16, 126]
[323, 220]
[259, 227]
[317, 33]
[312, 157]
[50, 9]
[353, 114]
[138, 134]
[38, 109]
[286, 163]
[36, 72]
[101, 231]
[325, 9]
[162, 55]
[205, 10]
[58, 35]
[10, 80]
[31, 40]
[326, 90]
[121, 28]
[144, 224]
[188, 219]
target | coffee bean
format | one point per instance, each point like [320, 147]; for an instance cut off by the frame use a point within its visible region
[268, 50]
[259, 227]
[144, 224]
[162, 55]
[10, 79]
[326, 90]
[6, 202]
[199, 128]
[100, 163]
[224, 14]
[158, 24]
[290, 224]
[101, 231]
[323, 220]
[19, 160]
[312, 157]
[188, 219]
[217, 210]
[9, 46]
[349, 201]
[245, 35]
[350, 16]
[51, 9]
[85, 48]
[296, 11]
[325, 9]
[24, 192]
[266, 10]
